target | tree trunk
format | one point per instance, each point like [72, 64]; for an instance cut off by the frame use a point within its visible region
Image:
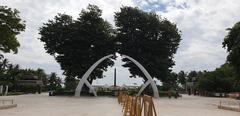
[1, 89]
[6, 90]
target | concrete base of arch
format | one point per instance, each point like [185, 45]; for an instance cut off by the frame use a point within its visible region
[84, 80]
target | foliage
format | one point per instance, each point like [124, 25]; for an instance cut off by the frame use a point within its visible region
[223, 79]
[105, 93]
[54, 82]
[191, 75]
[171, 81]
[166, 93]
[174, 81]
[29, 89]
[70, 83]
[232, 43]
[147, 38]
[62, 92]
[10, 74]
[77, 44]
[181, 78]
[14, 93]
[10, 26]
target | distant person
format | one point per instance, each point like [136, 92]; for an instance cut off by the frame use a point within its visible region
[176, 95]
[189, 92]
[169, 94]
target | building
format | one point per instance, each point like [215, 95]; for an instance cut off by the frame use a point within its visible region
[30, 84]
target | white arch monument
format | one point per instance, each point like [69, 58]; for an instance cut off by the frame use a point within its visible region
[84, 80]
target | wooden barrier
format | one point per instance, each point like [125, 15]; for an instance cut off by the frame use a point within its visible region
[136, 106]
[120, 95]
[148, 106]
[127, 105]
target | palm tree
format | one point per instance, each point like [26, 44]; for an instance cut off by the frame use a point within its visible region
[54, 82]
[5, 63]
[1, 56]
[14, 75]
[3, 67]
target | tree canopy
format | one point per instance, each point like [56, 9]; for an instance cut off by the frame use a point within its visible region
[54, 82]
[77, 44]
[232, 43]
[149, 39]
[10, 25]
[10, 74]
[222, 79]
[181, 78]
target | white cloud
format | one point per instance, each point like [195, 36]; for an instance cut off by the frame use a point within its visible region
[202, 22]
[31, 53]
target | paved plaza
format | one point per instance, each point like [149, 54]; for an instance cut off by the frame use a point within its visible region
[43, 105]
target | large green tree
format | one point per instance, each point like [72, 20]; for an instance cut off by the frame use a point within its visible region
[149, 39]
[54, 82]
[13, 75]
[223, 79]
[181, 78]
[70, 83]
[10, 26]
[77, 44]
[192, 76]
[232, 43]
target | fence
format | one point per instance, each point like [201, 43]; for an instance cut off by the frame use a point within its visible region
[5, 104]
[233, 105]
[137, 106]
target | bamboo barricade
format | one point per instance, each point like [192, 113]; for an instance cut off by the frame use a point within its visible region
[148, 106]
[136, 106]
[127, 106]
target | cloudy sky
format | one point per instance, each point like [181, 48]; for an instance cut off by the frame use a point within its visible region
[203, 25]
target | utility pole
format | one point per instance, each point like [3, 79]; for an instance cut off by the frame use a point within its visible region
[115, 77]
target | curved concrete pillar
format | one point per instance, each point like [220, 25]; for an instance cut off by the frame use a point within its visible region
[148, 76]
[84, 80]
[86, 75]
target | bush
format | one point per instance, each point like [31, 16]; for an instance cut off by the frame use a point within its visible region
[29, 88]
[15, 93]
[62, 92]
[165, 94]
[105, 93]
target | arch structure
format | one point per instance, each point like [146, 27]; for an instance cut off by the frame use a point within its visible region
[84, 78]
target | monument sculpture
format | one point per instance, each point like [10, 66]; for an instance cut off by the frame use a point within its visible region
[84, 80]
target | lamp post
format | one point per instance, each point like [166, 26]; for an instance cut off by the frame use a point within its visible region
[114, 83]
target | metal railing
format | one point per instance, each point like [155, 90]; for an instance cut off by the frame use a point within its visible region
[229, 105]
[6, 102]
